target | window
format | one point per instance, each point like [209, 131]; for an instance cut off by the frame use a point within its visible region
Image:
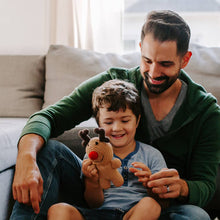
[203, 17]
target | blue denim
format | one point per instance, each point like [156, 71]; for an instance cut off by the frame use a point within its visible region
[60, 169]
[184, 212]
[175, 212]
[102, 214]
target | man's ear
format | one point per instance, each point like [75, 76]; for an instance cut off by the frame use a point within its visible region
[186, 58]
[140, 44]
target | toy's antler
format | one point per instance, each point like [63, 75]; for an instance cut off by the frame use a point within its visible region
[84, 135]
[101, 133]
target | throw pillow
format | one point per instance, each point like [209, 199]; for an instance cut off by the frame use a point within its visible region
[67, 67]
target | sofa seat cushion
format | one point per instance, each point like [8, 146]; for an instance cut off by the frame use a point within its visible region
[10, 130]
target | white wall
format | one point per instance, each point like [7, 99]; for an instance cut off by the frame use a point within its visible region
[23, 26]
[205, 27]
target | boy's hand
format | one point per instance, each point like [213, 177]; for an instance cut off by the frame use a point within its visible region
[90, 171]
[141, 171]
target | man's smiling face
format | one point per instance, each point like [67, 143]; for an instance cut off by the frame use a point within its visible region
[160, 64]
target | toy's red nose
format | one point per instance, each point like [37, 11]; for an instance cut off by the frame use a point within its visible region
[93, 155]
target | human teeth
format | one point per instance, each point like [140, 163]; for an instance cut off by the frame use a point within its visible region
[119, 135]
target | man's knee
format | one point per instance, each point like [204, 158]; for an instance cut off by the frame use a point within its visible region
[57, 150]
[53, 147]
[190, 212]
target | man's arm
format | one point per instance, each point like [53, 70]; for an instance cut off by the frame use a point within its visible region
[49, 122]
[28, 183]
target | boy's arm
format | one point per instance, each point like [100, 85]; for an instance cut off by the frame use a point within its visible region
[93, 192]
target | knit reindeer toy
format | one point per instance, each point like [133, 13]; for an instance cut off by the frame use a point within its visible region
[99, 151]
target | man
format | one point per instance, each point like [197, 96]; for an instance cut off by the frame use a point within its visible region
[178, 118]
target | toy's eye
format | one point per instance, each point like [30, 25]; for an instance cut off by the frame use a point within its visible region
[96, 143]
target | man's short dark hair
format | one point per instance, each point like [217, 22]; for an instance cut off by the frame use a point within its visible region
[166, 25]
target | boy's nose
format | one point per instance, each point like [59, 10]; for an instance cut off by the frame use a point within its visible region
[116, 126]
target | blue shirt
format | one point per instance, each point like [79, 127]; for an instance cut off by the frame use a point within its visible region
[132, 191]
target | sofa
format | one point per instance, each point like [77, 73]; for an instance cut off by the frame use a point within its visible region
[32, 82]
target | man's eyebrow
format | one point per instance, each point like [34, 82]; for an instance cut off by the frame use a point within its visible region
[162, 62]
[146, 57]
[166, 62]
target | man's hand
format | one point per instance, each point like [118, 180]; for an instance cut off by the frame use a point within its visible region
[28, 183]
[141, 171]
[167, 184]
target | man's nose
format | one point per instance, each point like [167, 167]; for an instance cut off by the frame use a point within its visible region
[154, 71]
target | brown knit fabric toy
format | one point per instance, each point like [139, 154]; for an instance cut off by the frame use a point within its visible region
[99, 151]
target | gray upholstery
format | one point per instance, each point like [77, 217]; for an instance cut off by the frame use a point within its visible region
[21, 85]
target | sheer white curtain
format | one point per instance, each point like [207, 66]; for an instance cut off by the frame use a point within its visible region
[86, 24]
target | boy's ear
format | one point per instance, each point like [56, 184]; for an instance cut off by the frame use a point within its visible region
[186, 58]
[138, 120]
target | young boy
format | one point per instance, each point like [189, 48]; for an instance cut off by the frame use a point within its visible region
[116, 107]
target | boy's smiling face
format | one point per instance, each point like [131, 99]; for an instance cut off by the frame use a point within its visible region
[120, 127]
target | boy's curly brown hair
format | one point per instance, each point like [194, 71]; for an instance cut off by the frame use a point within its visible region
[116, 94]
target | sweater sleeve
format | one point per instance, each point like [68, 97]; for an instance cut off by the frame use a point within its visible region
[205, 160]
[76, 107]
[66, 113]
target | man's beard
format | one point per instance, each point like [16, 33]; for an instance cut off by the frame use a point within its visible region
[158, 89]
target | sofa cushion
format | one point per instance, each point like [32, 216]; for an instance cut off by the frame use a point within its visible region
[21, 85]
[6, 203]
[67, 67]
[10, 130]
[204, 68]
[71, 137]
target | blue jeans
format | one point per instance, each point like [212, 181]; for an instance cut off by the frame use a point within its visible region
[60, 169]
[184, 212]
[178, 212]
[102, 214]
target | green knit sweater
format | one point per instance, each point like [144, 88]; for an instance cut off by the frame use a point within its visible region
[192, 145]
